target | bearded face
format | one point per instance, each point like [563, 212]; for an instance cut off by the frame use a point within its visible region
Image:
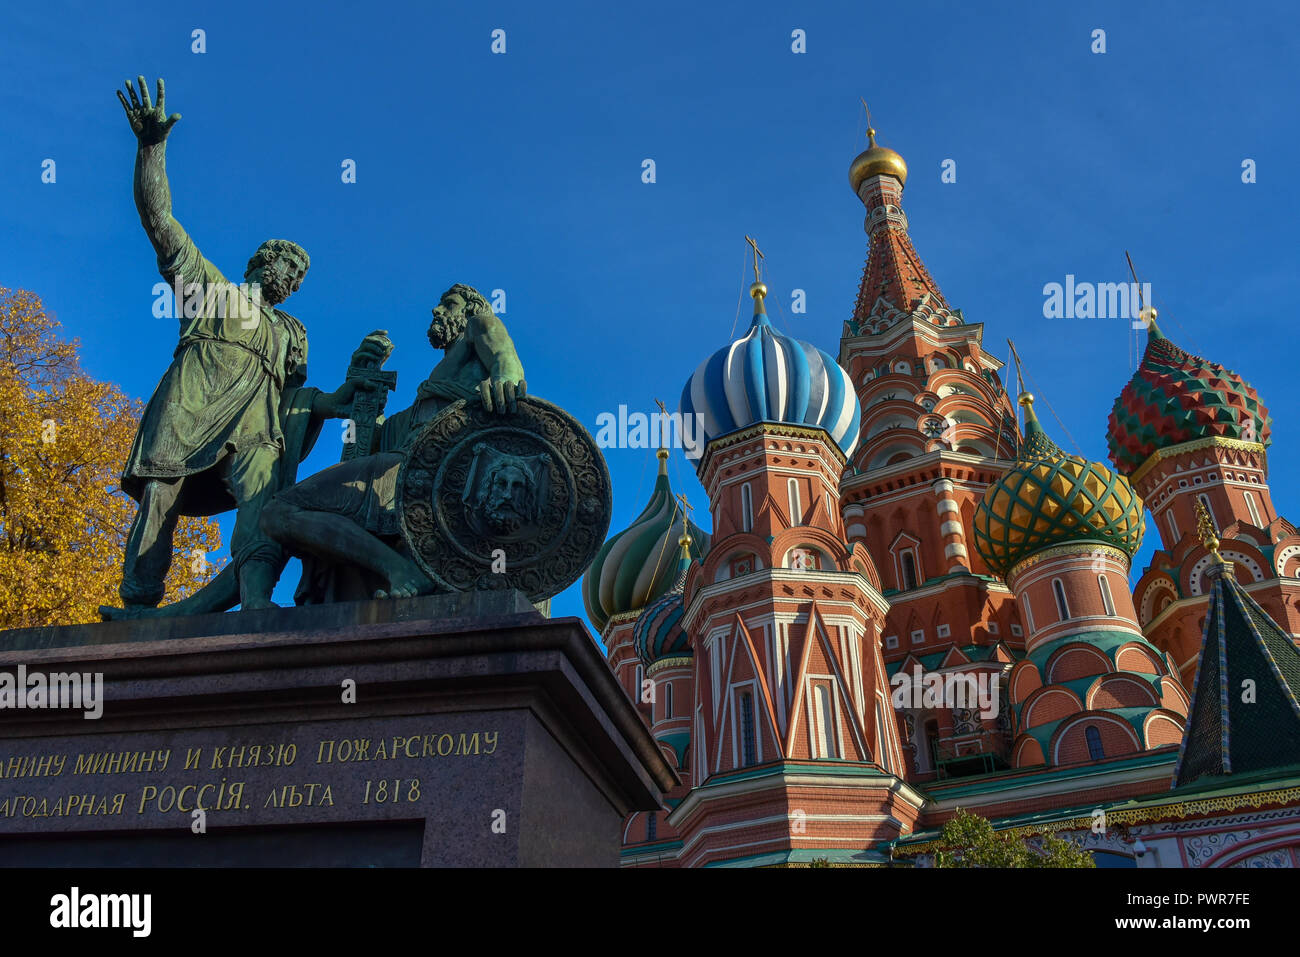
[278, 278]
[506, 507]
[449, 321]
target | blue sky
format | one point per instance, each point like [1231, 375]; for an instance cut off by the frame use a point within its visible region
[522, 172]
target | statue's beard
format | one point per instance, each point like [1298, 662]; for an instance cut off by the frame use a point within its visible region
[443, 332]
[504, 519]
[275, 289]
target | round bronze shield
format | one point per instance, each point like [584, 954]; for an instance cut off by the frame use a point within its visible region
[516, 500]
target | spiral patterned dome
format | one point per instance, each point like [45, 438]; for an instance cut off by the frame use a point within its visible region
[1176, 397]
[767, 376]
[639, 564]
[658, 633]
[1051, 498]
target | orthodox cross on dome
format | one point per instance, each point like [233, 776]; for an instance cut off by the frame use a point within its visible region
[758, 254]
[1146, 312]
[663, 428]
[685, 540]
[1205, 529]
[871, 133]
[1020, 379]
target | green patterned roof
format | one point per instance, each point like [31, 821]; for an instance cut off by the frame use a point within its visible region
[1233, 727]
[1049, 498]
[1176, 397]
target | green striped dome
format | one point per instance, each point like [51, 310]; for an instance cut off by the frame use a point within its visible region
[1050, 498]
[639, 564]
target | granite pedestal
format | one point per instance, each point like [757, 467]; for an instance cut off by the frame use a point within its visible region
[462, 730]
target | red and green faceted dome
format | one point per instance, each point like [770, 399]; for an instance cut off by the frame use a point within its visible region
[1050, 498]
[1176, 397]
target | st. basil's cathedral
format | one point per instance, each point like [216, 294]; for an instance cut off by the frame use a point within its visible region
[883, 520]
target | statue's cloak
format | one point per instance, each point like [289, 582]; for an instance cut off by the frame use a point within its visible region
[232, 377]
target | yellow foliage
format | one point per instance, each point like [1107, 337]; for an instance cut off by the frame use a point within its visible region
[63, 516]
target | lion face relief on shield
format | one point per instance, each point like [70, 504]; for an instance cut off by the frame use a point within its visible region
[505, 493]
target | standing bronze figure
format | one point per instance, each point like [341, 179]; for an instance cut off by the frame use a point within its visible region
[232, 418]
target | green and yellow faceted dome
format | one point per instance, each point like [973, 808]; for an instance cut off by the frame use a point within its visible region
[1050, 498]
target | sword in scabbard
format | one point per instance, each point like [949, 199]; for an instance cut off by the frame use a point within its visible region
[367, 407]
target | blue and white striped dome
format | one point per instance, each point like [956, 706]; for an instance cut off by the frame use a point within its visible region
[770, 377]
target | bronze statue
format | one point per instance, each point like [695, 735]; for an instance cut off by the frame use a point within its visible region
[343, 521]
[232, 418]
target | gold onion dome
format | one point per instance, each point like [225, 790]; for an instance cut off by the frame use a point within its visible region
[1050, 498]
[876, 161]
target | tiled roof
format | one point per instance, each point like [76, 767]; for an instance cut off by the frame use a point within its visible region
[1245, 714]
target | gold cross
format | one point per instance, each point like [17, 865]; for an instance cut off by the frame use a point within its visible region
[871, 134]
[758, 254]
[1137, 285]
[1205, 529]
[1019, 378]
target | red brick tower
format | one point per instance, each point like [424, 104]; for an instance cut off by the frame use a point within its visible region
[1062, 531]
[794, 750]
[937, 429]
[1191, 434]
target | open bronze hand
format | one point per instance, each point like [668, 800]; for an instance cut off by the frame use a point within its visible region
[500, 393]
[149, 122]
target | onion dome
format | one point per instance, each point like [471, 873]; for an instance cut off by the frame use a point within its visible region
[1176, 397]
[658, 633]
[636, 566]
[1051, 498]
[876, 161]
[767, 376]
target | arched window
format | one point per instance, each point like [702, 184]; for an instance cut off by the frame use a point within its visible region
[1106, 601]
[930, 734]
[698, 741]
[826, 743]
[882, 738]
[636, 688]
[748, 750]
[1254, 512]
[804, 559]
[1029, 615]
[1095, 750]
[1173, 525]
[1062, 606]
[652, 826]
[908, 561]
[796, 510]
[668, 699]
[746, 508]
[741, 565]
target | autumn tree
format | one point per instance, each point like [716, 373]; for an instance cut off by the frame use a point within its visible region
[968, 840]
[63, 516]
